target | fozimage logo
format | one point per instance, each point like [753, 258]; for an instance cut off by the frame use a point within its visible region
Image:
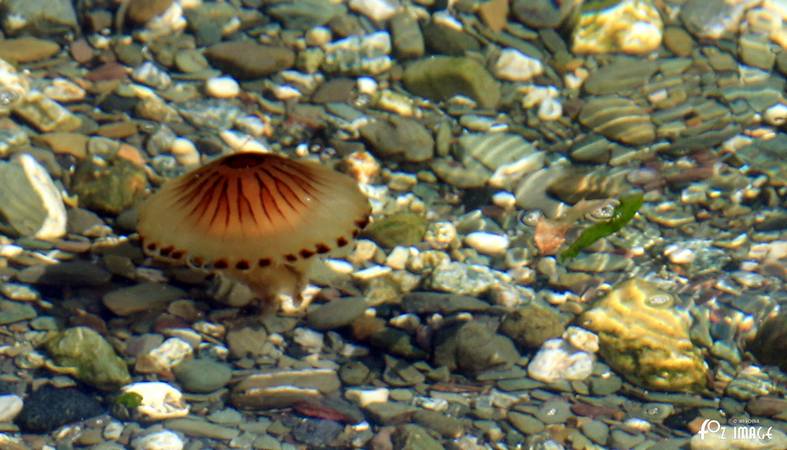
[737, 429]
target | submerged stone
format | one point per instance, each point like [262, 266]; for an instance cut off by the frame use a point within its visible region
[442, 77]
[398, 229]
[111, 188]
[90, 357]
[644, 336]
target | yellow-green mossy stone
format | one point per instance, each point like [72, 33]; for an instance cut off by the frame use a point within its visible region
[644, 336]
[93, 359]
[398, 229]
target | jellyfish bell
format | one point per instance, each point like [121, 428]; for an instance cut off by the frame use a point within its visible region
[259, 218]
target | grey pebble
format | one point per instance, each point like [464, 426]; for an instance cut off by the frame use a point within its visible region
[202, 428]
[11, 312]
[525, 423]
[337, 313]
[622, 440]
[597, 431]
[554, 411]
[605, 385]
[141, 297]
[202, 375]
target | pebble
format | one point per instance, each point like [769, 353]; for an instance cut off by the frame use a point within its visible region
[390, 413]
[377, 10]
[282, 388]
[198, 427]
[554, 411]
[246, 60]
[29, 200]
[525, 423]
[160, 400]
[163, 358]
[487, 243]
[337, 313]
[365, 397]
[90, 356]
[558, 360]
[48, 408]
[160, 440]
[222, 87]
[624, 440]
[141, 297]
[202, 375]
[185, 152]
[597, 431]
[442, 77]
[66, 273]
[12, 312]
[10, 406]
[27, 49]
[462, 279]
[513, 65]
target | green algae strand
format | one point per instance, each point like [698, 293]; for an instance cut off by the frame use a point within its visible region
[624, 212]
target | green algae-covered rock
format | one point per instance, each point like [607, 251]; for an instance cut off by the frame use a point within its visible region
[90, 356]
[442, 77]
[398, 229]
[112, 188]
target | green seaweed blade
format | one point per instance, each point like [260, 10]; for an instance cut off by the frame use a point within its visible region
[626, 210]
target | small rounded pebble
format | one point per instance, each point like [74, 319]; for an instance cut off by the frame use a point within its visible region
[162, 440]
[202, 375]
[222, 87]
[554, 411]
[487, 243]
[364, 397]
[185, 152]
[10, 407]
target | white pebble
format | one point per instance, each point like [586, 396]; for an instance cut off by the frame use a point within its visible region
[504, 199]
[679, 255]
[318, 36]
[150, 74]
[185, 152]
[242, 142]
[339, 266]
[254, 125]
[222, 87]
[514, 65]
[113, 430]
[550, 109]
[364, 397]
[557, 360]
[367, 86]
[776, 115]
[371, 273]
[10, 406]
[162, 440]
[398, 257]
[377, 10]
[638, 424]
[159, 400]
[409, 322]
[163, 358]
[487, 243]
[582, 339]
[309, 340]
[285, 92]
